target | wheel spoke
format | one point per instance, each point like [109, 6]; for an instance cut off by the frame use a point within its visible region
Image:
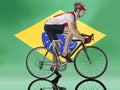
[37, 66]
[96, 68]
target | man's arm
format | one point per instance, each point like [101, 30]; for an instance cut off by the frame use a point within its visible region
[74, 31]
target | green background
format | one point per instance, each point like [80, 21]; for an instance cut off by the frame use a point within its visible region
[17, 15]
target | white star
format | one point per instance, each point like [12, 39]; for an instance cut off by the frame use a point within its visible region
[46, 41]
[45, 35]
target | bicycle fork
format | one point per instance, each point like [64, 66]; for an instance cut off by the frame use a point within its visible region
[85, 50]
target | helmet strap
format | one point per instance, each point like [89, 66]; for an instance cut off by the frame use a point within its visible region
[79, 12]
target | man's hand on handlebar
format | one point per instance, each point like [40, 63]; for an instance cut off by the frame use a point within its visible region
[87, 38]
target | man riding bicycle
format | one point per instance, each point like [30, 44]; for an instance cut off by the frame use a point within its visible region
[65, 23]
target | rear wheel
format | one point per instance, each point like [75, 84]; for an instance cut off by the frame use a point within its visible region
[39, 62]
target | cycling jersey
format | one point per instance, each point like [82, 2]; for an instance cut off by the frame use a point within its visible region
[57, 24]
[62, 19]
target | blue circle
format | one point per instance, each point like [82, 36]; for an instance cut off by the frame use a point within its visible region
[46, 42]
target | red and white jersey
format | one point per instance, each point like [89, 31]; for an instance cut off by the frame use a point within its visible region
[62, 19]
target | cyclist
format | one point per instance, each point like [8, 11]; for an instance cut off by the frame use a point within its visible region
[65, 23]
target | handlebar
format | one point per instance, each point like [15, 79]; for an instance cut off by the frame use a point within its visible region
[88, 38]
[85, 35]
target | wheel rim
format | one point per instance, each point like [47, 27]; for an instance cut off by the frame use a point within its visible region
[98, 66]
[37, 67]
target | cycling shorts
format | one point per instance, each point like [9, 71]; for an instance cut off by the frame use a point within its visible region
[52, 30]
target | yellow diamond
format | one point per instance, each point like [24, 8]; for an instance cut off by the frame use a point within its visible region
[33, 34]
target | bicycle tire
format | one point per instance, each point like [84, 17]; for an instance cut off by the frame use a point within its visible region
[42, 84]
[35, 66]
[90, 84]
[81, 61]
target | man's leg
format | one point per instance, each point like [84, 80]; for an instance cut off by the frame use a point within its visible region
[67, 42]
[65, 53]
[58, 76]
[57, 48]
[53, 58]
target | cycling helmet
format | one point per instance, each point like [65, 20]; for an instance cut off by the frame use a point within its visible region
[79, 5]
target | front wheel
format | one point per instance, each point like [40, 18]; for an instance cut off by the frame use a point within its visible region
[90, 62]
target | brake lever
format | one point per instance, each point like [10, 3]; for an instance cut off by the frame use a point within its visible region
[92, 36]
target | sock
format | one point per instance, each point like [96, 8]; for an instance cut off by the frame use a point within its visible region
[55, 81]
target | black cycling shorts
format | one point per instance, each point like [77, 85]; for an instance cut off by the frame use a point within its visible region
[52, 30]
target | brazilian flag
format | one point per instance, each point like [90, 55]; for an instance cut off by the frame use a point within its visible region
[19, 19]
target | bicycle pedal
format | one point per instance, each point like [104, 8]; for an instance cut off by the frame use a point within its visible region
[62, 68]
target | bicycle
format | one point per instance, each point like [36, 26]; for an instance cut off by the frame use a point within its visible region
[89, 62]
